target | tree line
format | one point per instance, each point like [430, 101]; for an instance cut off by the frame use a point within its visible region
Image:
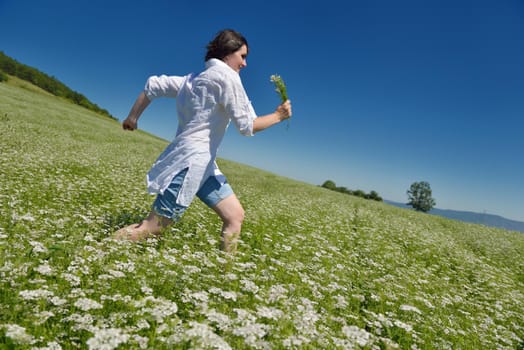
[419, 194]
[9, 66]
[331, 185]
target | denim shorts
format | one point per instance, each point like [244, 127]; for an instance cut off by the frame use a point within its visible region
[214, 189]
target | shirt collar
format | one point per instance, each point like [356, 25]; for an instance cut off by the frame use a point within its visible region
[216, 62]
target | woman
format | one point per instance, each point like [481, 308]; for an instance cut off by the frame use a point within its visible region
[206, 103]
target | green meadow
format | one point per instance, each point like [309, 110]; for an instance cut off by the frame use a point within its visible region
[315, 269]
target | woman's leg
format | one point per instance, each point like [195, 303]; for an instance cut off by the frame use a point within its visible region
[150, 226]
[232, 214]
[164, 208]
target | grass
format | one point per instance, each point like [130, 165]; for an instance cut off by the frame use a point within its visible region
[315, 268]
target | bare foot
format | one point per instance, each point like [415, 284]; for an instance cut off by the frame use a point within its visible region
[133, 233]
[151, 226]
[229, 242]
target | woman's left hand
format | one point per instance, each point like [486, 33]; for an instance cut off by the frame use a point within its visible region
[284, 110]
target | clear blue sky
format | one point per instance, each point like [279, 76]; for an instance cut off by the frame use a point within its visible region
[384, 93]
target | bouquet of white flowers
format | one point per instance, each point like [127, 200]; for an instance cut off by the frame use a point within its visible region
[280, 88]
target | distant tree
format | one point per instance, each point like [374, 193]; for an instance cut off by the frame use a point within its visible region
[374, 196]
[359, 193]
[3, 76]
[330, 185]
[343, 189]
[419, 196]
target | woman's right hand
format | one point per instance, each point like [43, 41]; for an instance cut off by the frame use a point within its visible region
[141, 103]
[129, 124]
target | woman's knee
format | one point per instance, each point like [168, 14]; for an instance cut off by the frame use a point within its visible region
[230, 211]
[235, 216]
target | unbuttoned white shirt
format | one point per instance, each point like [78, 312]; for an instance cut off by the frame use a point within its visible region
[205, 104]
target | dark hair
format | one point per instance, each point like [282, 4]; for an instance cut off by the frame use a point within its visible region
[225, 42]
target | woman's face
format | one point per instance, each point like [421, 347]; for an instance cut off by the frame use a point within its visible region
[237, 59]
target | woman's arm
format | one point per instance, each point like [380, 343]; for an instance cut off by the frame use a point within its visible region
[282, 112]
[139, 106]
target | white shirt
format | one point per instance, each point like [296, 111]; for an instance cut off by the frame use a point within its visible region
[206, 103]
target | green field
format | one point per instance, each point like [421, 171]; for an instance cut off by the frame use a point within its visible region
[316, 269]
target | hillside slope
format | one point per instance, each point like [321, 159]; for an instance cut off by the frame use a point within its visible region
[10, 68]
[316, 269]
[471, 217]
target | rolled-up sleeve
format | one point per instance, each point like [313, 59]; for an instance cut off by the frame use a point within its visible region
[238, 107]
[163, 86]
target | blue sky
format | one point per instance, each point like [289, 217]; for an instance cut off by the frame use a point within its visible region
[384, 93]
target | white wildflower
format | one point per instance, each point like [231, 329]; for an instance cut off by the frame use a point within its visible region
[269, 313]
[26, 217]
[246, 266]
[459, 299]
[86, 304]
[125, 266]
[162, 328]
[224, 294]
[295, 341]
[161, 308]
[231, 276]
[107, 339]
[249, 286]
[410, 308]
[383, 320]
[342, 343]
[117, 297]
[56, 301]
[341, 302]
[305, 320]
[221, 320]
[251, 333]
[35, 294]
[50, 346]
[215, 290]
[37, 281]
[142, 341]
[204, 336]
[146, 290]
[73, 280]
[87, 237]
[426, 302]
[334, 286]
[403, 325]
[357, 335]
[116, 274]
[244, 316]
[229, 295]
[82, 322]
[142, 324]
[18, 334]
[104, 277]
[44, 269]
[191, 269]
[38, 247]
[43, 316]
[200, 296]
[277, 292]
